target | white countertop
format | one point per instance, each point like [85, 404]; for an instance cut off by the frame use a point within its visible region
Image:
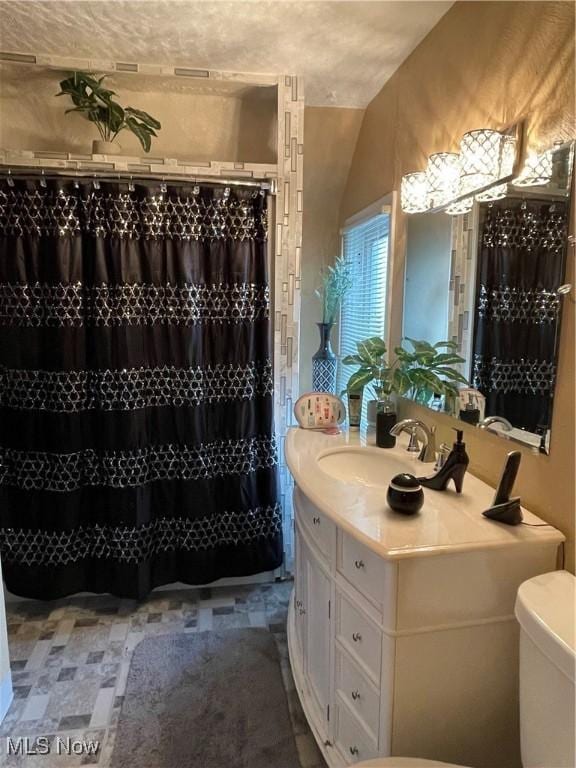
[447, 521]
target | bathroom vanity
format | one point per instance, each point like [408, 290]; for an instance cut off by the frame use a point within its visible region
[401, 630]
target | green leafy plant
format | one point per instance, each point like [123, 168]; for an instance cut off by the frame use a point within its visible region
[374, 369]
[96, 103]
[419, 373]
[336, 282]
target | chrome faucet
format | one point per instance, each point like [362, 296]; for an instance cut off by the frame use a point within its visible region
[489, 420]
[418, 431]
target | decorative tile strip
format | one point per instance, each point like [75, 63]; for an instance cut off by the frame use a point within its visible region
[132, 388]
[74, 304]
[64, 472]
[136, 544]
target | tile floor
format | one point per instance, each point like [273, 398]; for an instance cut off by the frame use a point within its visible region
[70, 659]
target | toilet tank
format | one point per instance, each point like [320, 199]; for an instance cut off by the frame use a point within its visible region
[545, 610]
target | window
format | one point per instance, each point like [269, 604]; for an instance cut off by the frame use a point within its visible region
[363, 312]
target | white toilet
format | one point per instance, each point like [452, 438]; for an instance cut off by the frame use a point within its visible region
[545, 609]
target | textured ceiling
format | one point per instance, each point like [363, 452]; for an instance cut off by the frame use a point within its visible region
[344, 50]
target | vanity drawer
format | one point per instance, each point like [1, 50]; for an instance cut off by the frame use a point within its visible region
[359, 636]
[360, 694]
[363, 568]
[320, 528]
[352, 740]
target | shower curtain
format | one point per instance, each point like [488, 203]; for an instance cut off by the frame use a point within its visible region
[136, 435]
[517, 311]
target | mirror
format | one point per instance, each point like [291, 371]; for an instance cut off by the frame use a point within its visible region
[492, 281]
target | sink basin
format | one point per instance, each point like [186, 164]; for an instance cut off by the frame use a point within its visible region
[370, 467]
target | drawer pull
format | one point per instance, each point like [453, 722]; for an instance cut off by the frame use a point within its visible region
[356, 637]
[316, 520]
[355, 695]
[354, 751]
[359, 564]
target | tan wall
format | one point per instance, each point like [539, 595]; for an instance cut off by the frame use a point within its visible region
[486, 64]
[329, 139]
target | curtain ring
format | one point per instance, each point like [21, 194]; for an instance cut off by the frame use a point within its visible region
[43, 180]
[10, 180]
[163, 187]
[131, 185]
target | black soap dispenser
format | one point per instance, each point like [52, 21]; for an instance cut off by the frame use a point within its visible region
[453, 468]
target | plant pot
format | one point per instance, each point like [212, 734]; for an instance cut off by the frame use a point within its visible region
[100, 147]
[324, 362]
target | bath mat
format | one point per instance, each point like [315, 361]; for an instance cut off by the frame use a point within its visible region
[206, 700]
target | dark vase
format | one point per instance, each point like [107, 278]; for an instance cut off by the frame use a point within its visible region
[324, 362]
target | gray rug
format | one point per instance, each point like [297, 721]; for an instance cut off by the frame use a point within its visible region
[206, 700]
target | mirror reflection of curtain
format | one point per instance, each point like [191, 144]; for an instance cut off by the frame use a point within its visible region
[136, 440]
[520, 266]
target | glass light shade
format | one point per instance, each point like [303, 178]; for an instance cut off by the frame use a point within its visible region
[537, 171]
[443, 175]
[507, 154]
[479, 159]
[494, 193]
[460, 207]
[415, 193]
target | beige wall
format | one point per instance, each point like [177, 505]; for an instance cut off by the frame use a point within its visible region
[486, 64]
[330, 136]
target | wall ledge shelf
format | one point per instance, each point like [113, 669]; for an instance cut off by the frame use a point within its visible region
[20, 160]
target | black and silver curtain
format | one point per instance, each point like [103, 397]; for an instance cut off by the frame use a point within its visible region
[136, 436]
[520, 266]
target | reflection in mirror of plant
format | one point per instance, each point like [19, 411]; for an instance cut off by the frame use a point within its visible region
[420, 373]
[336, 282]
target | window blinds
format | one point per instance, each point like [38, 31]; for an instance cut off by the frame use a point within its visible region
[363, 312]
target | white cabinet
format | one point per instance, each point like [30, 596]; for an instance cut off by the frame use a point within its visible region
[411, 656]
[317, 658]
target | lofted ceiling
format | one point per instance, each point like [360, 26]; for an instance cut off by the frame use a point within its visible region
[345, 51]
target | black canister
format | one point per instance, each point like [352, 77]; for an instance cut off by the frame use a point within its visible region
[405, 494]
[385, 420]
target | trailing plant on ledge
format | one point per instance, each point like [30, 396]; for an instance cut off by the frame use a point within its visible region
[96, 103]
[336, 282]
[418, 373]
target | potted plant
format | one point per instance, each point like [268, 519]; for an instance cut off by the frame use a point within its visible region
[419, 373]
[336, 280]
[96, 103]
[373, 371]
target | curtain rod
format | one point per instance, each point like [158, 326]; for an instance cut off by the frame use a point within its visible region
[32, 174]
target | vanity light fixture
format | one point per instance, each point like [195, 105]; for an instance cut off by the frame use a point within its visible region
[537, 171]
[460, 206]
[480, 152]
[415, 193]
[443, 176]
[494, 193]
[486, 156]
